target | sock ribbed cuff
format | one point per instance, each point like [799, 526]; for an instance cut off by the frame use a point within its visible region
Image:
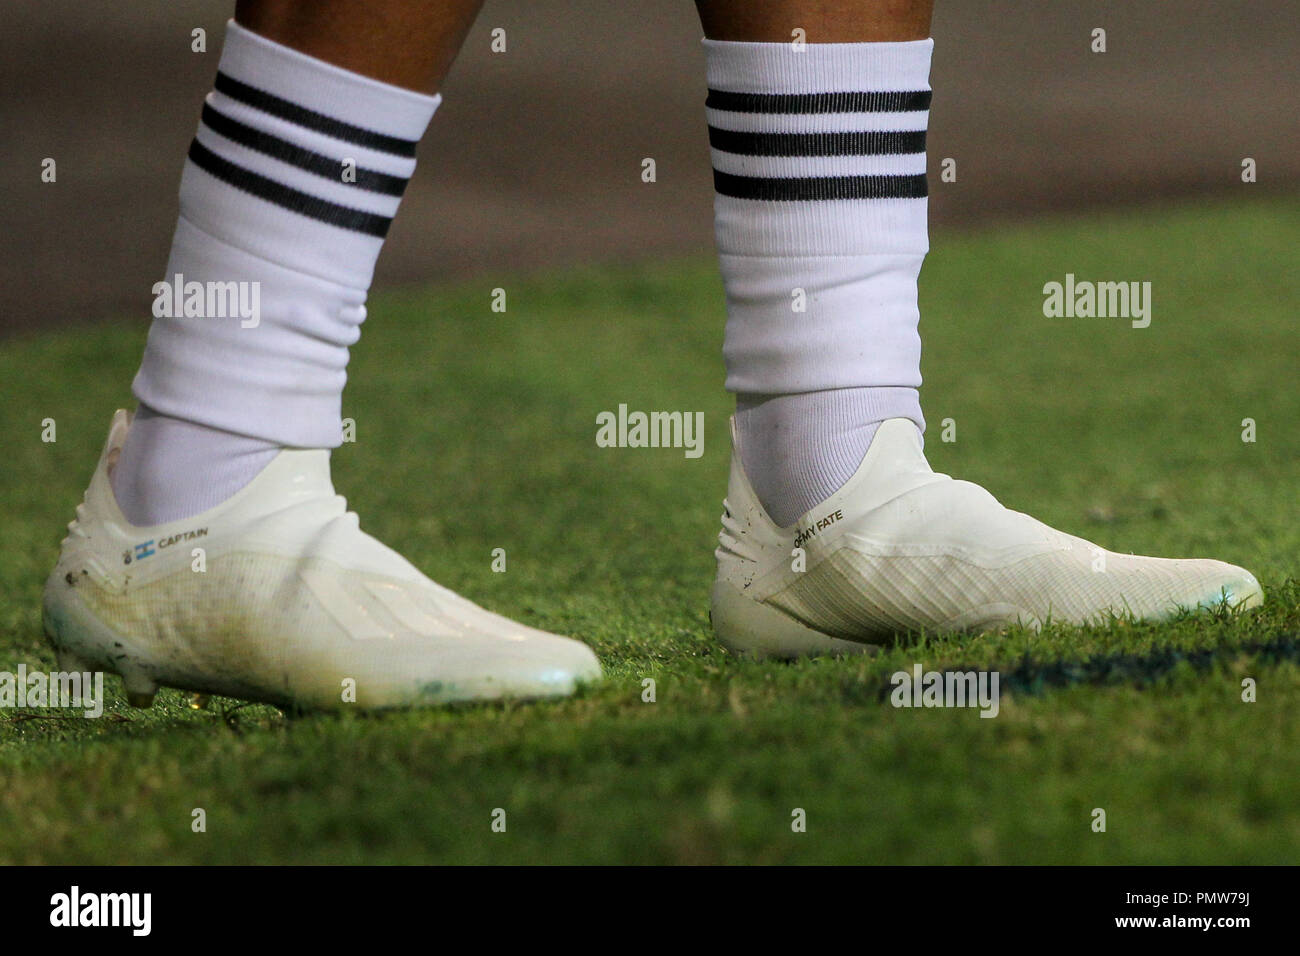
[283, 132]
[819, 150]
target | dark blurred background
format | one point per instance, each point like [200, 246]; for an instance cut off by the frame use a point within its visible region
[534, 158]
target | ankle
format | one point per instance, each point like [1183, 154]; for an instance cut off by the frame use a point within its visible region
[798, 450]
[171, 468]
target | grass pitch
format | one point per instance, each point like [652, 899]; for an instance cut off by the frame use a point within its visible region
[476, 430]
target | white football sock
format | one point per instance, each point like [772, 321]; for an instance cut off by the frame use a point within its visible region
[291, 183]
[820, 213]
[170, 468]
[806, 445]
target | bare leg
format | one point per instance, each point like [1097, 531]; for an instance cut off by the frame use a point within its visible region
[409, 43]
[824, 21]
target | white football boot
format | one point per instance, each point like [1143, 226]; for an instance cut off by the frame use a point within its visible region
[288, 603]
[902, 549]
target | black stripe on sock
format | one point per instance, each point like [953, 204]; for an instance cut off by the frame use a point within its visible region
[820, 187]
[870, 143]
[304, 159]
[292, 199]
[268, 103]
[865, 102]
